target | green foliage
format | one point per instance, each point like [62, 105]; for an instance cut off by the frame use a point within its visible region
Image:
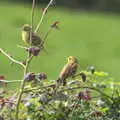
[90, 99]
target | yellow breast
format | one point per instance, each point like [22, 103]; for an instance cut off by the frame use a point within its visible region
[25, 37]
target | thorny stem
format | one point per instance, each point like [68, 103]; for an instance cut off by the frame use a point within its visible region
[42, 17]
[11, 58]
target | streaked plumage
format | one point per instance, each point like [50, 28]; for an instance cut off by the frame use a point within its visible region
[26, 31]
[68, 70]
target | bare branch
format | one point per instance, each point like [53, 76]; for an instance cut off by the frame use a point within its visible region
[43, 14]
[11, 58]
[9, 81]
[32, 20]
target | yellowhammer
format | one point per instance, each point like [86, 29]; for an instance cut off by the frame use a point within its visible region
[35, 39]
[68, 70]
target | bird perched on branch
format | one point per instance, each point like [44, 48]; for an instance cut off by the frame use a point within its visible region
[69, 70]
[35, 39]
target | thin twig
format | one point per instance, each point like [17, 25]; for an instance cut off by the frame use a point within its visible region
[9, 81]
[24, 47]
[11, 58]
[32, 21]
[32, 14]
[45, 37]
[42, 17]
[47, 33]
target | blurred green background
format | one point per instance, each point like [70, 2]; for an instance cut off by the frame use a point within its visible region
[90, 34]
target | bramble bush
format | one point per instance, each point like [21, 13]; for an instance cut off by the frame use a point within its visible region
[89, 95]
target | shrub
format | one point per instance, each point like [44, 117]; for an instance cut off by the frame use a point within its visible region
[88, 95]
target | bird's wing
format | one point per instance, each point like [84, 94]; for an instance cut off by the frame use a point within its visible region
[65, 72]
[36, 40]
[73, 69]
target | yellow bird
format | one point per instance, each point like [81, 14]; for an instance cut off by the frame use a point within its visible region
[35, 41]
[69, 70]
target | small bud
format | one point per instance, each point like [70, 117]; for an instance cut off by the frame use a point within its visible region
[83, 77]
[34, 51]
[29, 76]
[80, 95]
[55, 25]
[44, 10]
[42, 76]
[84, 96]
[96, 113]
[24, 62]
[43, 98]
[2, 77]
[27, 104]
[91, 69]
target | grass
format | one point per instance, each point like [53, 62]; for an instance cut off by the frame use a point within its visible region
[93, 37]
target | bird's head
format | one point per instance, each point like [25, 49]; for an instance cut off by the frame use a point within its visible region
[72, 59]
[26, 28]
